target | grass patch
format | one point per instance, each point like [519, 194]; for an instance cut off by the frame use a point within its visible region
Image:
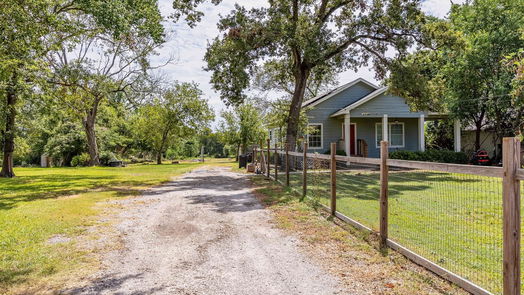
[455, 220]
[346, 252]
[42, 205]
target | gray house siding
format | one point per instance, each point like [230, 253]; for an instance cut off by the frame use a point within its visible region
[321, 113]
[365, 117]
[366, 132]
[391, 105]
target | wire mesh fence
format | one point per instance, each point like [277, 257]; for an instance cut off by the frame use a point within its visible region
[296, 171]
[318, 179]
[452, 219]
[358, 192]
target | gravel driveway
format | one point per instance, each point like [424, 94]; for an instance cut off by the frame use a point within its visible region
[205, 233]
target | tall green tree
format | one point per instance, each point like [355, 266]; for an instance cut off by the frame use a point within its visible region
[229, 130]
[212, 144]
[278, 76]
[29, 30]
[277, 115]
[305, 36]
[515, 62]
[100, 64]
[178, 113]
[465, 72]
[23, 25]
[242, 126]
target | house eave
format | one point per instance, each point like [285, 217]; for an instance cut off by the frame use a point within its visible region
[321, 98]
[365, 99]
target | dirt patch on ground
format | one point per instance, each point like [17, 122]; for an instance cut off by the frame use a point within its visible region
[206, 233]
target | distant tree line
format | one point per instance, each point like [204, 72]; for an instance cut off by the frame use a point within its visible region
[77, 82]
[77, 85]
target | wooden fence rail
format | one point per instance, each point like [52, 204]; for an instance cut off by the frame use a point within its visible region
[520, 174]
[511, 174]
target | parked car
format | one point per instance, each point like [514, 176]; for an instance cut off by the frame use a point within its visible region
[480, 157]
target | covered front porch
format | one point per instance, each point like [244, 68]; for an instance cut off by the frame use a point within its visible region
[361, 134]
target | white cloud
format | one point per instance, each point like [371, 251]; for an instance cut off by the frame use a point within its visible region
[439, 8]
[189, 45]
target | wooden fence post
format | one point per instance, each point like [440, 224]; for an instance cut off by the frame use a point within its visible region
[268, 157]
[262, 162]
[304, 171]
[511, 216]
[253, 153]
[259, 154]
[383, 194]
[333, 179]
[276, 162]
[287, 164]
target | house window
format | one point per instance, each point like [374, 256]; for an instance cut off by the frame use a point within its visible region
[314, 137]
[396, 135]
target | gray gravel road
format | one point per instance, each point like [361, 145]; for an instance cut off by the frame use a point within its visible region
[205, 233]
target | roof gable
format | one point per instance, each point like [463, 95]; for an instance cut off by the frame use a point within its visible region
[379, 103]
[321, 98]
[360, 102]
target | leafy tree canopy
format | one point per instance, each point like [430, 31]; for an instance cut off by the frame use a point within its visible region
[176, 114]
[242, 126]
[306, 38]
[465, 73]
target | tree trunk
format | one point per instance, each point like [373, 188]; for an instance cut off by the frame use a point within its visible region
[159, 158]
[89, 126]
[293, 119]
[243, 148]
[165, 134]
[237, 153]
[478, 131]
[9, 135]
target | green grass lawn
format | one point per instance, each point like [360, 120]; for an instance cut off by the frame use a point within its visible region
[43, 203]
[454, 220]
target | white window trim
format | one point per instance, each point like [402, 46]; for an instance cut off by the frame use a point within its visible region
[321, 136]
[389, 134]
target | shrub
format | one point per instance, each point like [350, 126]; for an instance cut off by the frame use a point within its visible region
[441, 156]
[106, 157]
[339, 152]
[134, 160]
[81, 160]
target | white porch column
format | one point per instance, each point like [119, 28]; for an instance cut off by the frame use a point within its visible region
[421, 139]
[385, 128]
[456, 129]
[347, 134]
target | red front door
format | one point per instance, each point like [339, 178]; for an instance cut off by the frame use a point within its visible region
[352, 141]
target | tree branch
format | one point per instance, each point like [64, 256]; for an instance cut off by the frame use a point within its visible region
[370, 50]
[324, 17]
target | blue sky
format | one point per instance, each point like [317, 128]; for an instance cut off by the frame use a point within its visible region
[188, 46]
